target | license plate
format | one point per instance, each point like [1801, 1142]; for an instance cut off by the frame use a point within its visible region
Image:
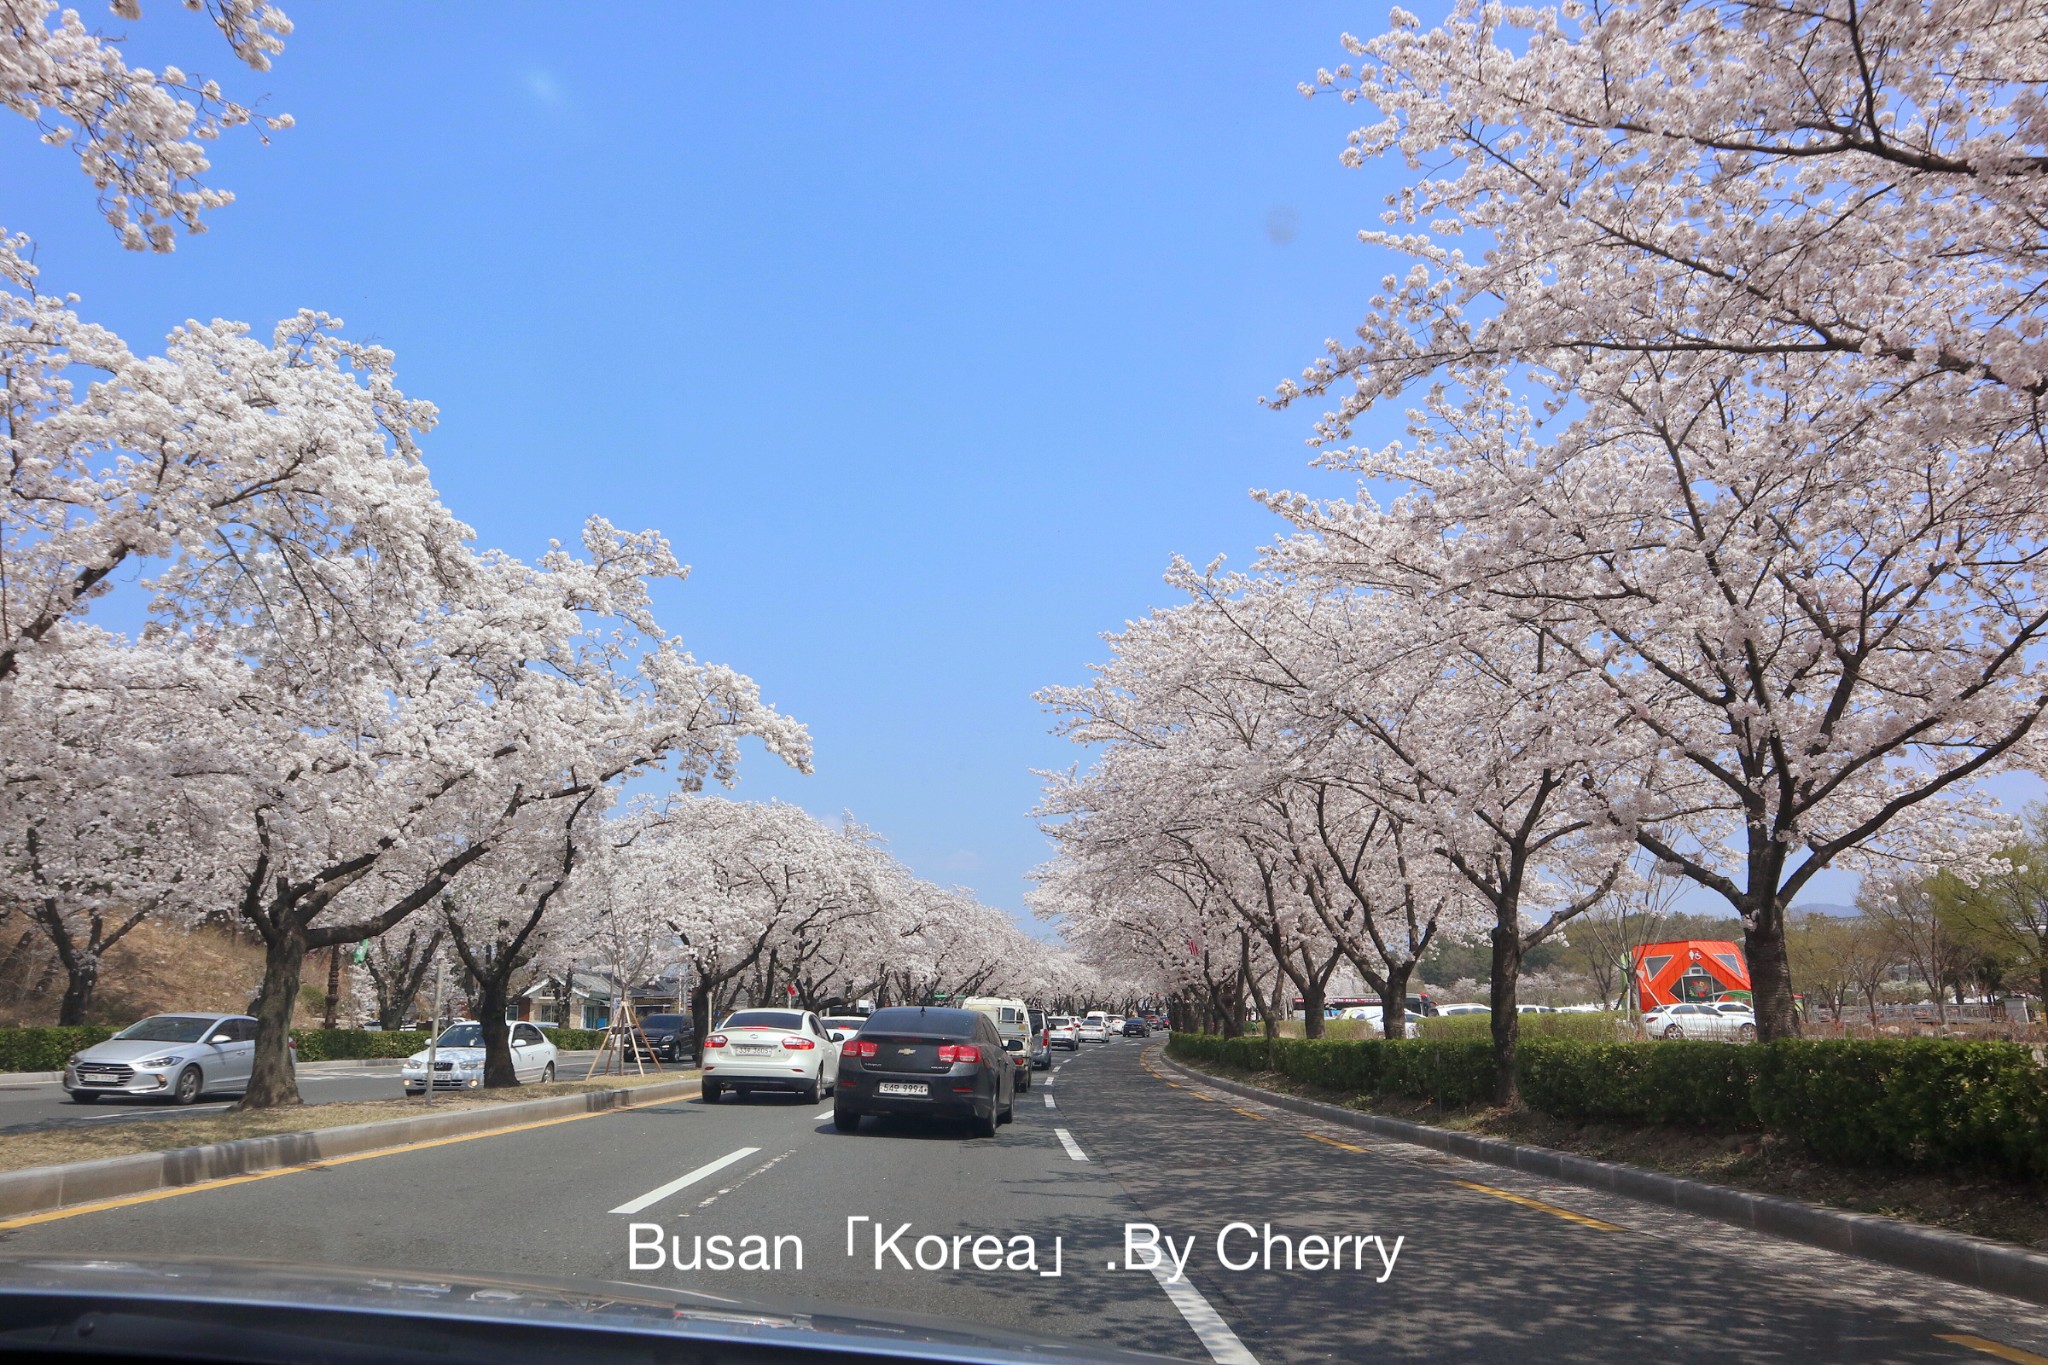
[754, 1051]
[100, 1080]
[904, 1088]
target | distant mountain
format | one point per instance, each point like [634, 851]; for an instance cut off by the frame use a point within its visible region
[1825, 908]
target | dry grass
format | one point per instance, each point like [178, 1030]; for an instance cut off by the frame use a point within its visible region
[22, 1150]
[2005, 1210]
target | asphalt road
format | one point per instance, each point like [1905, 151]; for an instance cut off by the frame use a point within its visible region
[1488, 1264]
[42, 1105]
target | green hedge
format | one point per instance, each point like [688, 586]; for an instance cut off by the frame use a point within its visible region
[348, 1044]
[46, 1049]
[576, 1039]
[1930, 1102]
[1934, 1104]
[1697, 1084]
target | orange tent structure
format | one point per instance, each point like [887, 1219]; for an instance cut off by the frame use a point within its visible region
[1687, 970]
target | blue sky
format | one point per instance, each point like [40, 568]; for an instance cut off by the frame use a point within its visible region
[926, 335]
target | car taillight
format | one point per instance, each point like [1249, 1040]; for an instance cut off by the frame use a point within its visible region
[800, 1044]
[715, 1040]
[959, 1052]
[860, 1049]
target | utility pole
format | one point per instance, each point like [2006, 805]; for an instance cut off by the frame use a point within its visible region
[434, 1027]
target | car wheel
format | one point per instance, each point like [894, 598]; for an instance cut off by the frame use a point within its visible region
[1674, 1031]
[843, 1119]
[188, 1086]
[1747, 1033]
[712, 1090]
[84, 1097]
[547, 1073]
[1023, 1081]
[810, 1093]
[1009, 1113]
[986, 1127]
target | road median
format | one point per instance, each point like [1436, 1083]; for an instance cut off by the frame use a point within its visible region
[47, 1188]
[1974, 1261]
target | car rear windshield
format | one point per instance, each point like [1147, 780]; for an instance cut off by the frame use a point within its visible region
[168, 1028]
[788, 1019]
[928, 1020]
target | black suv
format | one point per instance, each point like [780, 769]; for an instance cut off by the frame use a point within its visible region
[670, 1036]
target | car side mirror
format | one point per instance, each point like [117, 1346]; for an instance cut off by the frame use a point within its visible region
[220, 1038]
[838, 1037]
[1013, 1044]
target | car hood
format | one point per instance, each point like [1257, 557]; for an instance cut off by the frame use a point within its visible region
[450, 1054]
[135, 1049]
[459, 1316]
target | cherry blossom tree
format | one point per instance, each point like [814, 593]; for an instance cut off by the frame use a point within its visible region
[1853, 190]
[139, 135]
[415, 754]
[110, 795]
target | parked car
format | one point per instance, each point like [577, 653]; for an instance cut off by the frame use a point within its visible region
[1041, 1042]
[459, 1058]
[174, 1057]
[669, 1035]
[1094, 1027]
[1135, 1027]
[1450, 1011]
[1013, 1021]
[927, 1062]
[1063, 1030]
[1372, 1014]
[786, 1050]
[1698, 1021]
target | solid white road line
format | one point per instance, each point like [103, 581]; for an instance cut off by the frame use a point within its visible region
[826, 1115]
[655, 1196]
[1048, 1102]
[1207, 1324]
[1067, 1141]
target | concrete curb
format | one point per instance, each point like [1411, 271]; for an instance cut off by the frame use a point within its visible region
[43, 1188]
[1974, 1261]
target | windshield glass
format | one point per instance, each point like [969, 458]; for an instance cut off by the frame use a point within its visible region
[662, 1023]
[780, 1019]
[461, 1035]
[168, 1028]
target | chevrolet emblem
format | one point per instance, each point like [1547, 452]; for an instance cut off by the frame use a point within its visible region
[906, 1051]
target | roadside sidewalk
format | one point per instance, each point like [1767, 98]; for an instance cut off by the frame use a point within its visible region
[1975, 1261]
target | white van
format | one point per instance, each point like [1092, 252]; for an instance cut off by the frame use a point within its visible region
[1013, 1021]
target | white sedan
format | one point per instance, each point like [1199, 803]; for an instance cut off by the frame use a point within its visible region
[1094, 1029]
[459, 1058]
[1699, 1021]
[770, 1050]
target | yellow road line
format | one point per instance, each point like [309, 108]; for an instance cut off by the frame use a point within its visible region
[1249, 1114]
[1200, 1096]
[102, 1205]
[1527, 1202]
[1995, 1348]
[1333, 1142]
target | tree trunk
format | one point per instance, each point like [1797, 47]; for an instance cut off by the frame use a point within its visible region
[1312, 998]
[333, 1001]
[1394, 1001]
[1507, 1017]
[1770, 975]
[271, 1082]
[81, 974]
[700, 1008]
[492, 990]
